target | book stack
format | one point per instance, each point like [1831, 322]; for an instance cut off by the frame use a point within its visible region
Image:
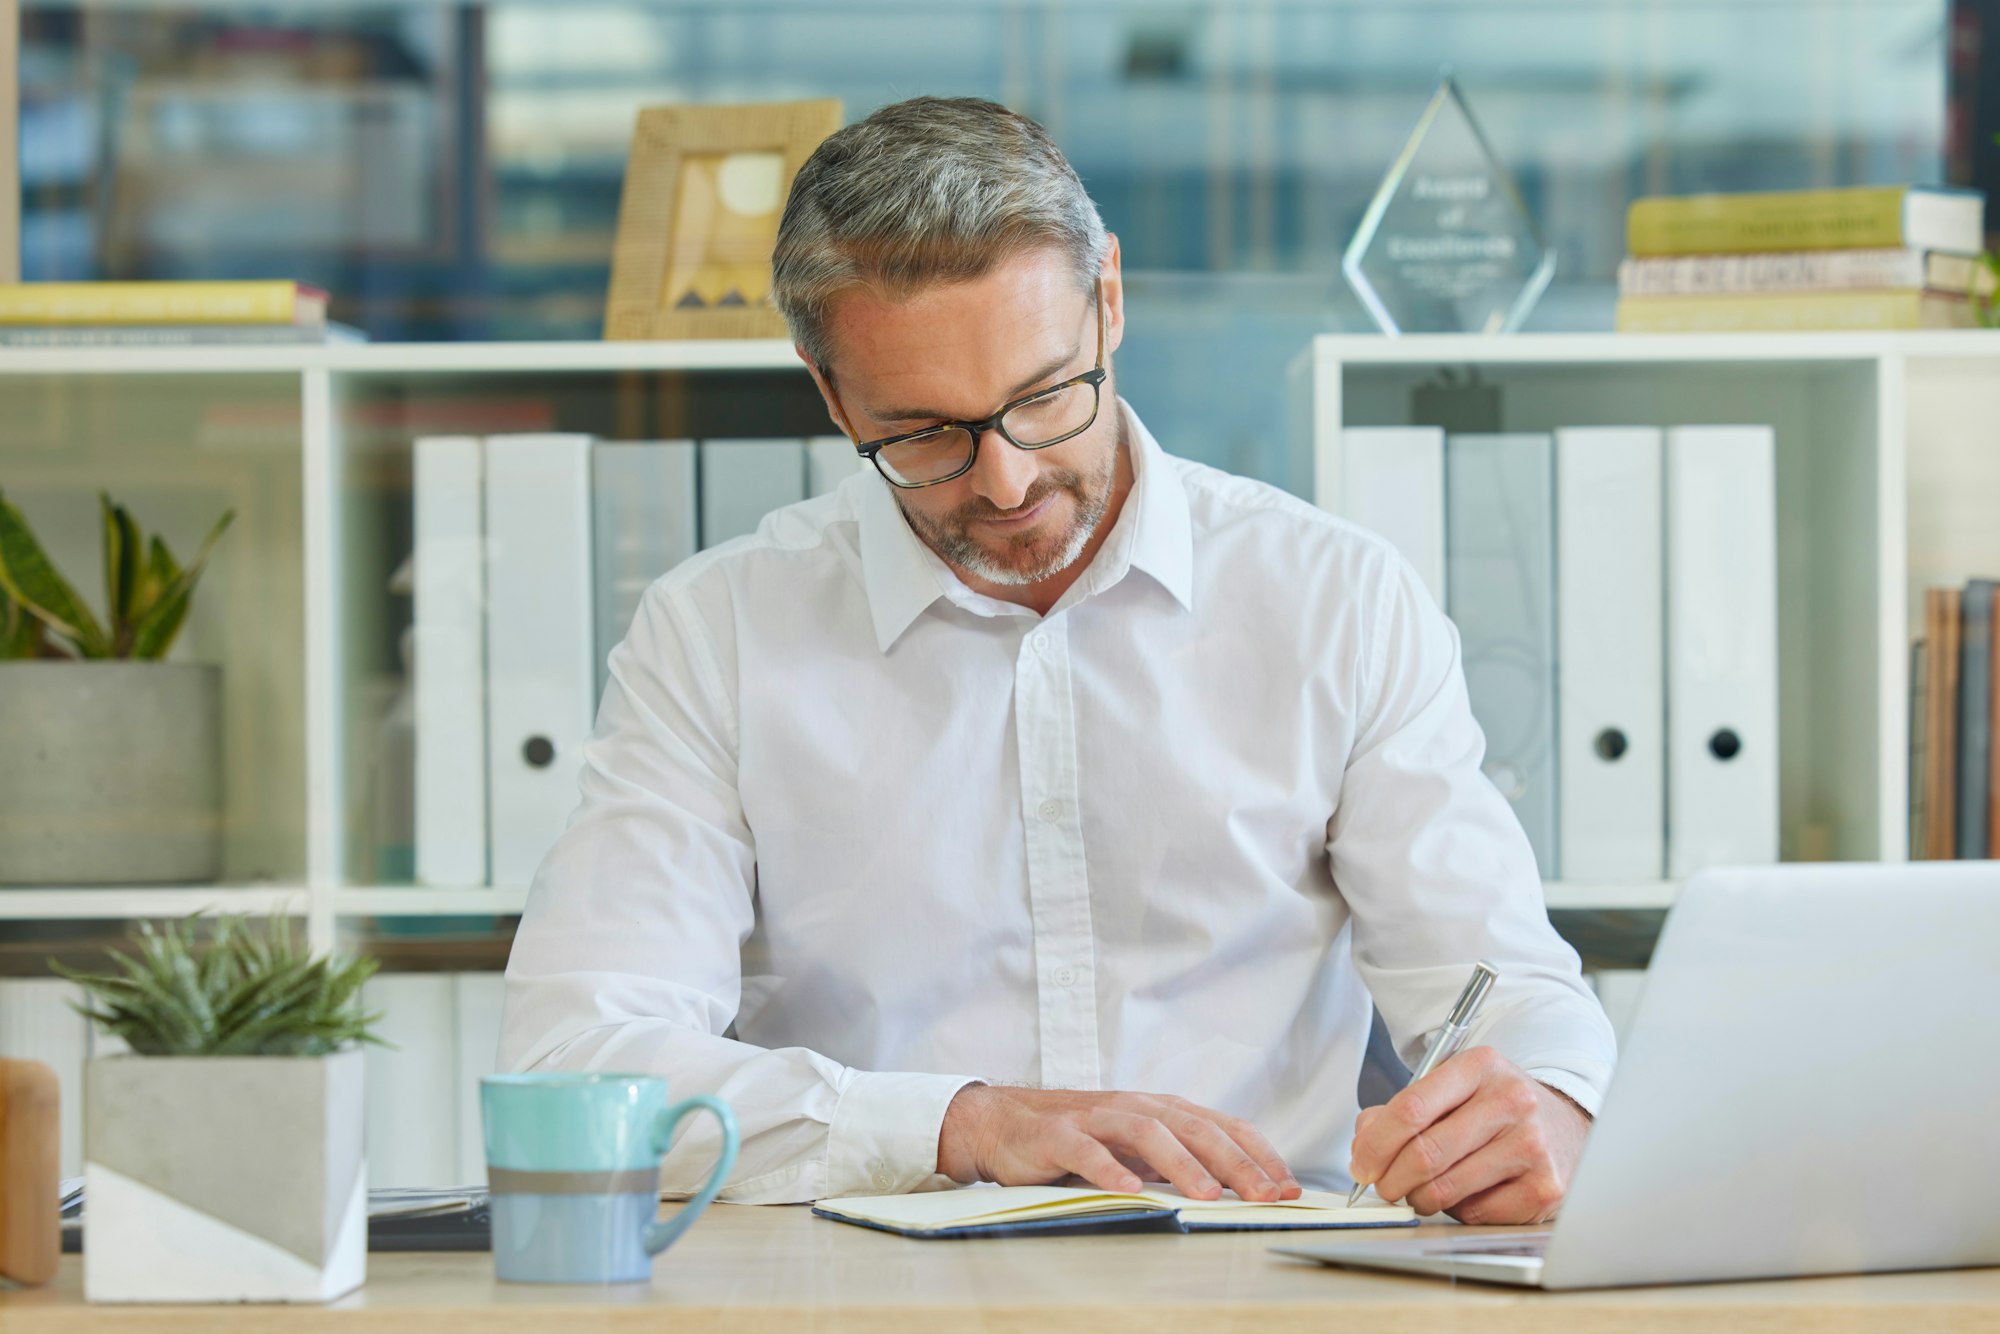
[1896, 257]
[1953, 706]
[165, 314]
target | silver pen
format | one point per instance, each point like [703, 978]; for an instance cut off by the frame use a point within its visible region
[1448, 1039]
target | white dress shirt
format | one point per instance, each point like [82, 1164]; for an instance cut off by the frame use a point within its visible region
[853, 835]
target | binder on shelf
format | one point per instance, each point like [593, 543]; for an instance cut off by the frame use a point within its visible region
[1500, 588]
[1392, 483]
[449, 661]
[644, 522]
[421, 1116]
[1722, 647]
[476, 1005]
[1975, 716]
[830, 460]
[540, 642]
[743, 480]
[410, 1084]
[1611, 721]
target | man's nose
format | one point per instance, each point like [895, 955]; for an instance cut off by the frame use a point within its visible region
[1002, 474]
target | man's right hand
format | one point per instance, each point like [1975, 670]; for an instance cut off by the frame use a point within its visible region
[1031, 1137]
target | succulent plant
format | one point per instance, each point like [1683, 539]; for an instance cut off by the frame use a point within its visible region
[146, 592]
[246, 993]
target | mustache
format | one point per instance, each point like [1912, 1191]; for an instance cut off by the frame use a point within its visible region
[976, 510]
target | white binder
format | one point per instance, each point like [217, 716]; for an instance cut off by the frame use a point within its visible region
[1500, 581]
[449, 662]
[643, 524]
[1610, 623]
[743, 480]
[540, 642]
[830, 460]
[477, 999]
[1392, 483]
[410, 1086]
[421, 1115]
[1722, 647]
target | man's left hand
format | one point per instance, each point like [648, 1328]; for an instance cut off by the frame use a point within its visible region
[1475, 1138]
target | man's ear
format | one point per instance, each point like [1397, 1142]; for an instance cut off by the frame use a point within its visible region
[833, 408]
[1111, 282]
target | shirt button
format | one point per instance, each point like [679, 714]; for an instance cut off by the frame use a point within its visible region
[1041, 643]
[1050, 810]
[1065, 977]
[881, 1181]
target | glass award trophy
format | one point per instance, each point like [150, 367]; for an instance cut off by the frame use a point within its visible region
[1446, 245]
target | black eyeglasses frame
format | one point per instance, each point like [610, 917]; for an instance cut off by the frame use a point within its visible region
[1093, 377]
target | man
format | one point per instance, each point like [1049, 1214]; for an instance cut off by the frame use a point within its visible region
[1073, 799]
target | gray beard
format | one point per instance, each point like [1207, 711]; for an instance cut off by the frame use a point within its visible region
[951, 537]
[973, 559]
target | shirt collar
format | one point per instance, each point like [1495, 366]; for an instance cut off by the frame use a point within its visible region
[1153, 533]
[1163, 538]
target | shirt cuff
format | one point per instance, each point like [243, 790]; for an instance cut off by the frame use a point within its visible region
[884, 1137]
[1571, 1085]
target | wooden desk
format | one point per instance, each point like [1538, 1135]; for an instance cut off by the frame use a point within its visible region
[780, 1269]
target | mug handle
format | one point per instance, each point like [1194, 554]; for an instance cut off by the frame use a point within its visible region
[659, 1236]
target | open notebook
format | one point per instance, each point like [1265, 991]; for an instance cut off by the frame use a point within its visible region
[993, 1211]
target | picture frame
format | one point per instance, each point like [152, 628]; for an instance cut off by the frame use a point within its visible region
[704, 189]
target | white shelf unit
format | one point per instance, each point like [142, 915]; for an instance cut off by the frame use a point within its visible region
[1888, 482]
[1889, 461]
[311, 446]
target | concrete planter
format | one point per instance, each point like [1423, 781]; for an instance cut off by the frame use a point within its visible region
[224, 1178]
[110, 773]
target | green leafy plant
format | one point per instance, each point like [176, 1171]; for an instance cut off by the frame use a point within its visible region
[246, 993]
[146, 592]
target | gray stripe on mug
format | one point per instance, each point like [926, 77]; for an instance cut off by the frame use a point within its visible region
[631, 1181]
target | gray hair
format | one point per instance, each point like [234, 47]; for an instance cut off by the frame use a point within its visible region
[931, 190]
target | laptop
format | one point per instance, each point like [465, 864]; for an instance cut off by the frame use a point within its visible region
[1810, 1085]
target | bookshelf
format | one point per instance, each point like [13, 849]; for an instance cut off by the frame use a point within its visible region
[1888, 474]
[311, 445]
[1889, 471]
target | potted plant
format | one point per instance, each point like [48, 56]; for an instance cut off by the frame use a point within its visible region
[223, 1153]
[114, 757]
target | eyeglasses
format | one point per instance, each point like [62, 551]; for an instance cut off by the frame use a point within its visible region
[1034, 421]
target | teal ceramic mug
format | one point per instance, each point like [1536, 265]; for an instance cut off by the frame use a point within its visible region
[573, 1169]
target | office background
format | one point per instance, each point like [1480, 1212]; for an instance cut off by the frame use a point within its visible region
[452, 171]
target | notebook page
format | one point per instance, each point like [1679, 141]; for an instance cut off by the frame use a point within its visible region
[1310, 1206]
[979, 1205]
